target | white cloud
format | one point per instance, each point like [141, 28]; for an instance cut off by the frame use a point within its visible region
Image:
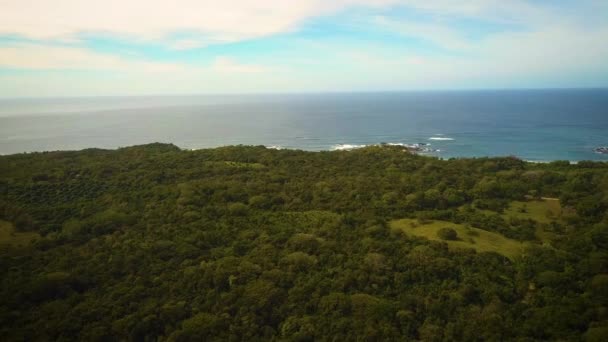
[212, 21]
[563, 49]
[560, 55]
[225, 64]
[554, 43]
[187, 44]
[436, 33]
[43, 57]
[153, 19]
[226, 20]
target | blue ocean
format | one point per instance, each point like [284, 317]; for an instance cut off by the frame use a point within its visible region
[535, 125]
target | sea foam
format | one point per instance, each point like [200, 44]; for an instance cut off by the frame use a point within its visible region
[441, 138]
[418, 147]
[346, 147]
[275, 147]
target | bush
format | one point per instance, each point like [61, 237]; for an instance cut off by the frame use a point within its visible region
[447, 234]
[238, 209]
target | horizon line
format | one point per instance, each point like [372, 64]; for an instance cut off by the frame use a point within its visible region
[311, 92]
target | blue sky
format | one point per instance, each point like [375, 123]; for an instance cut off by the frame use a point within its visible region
[86, 47]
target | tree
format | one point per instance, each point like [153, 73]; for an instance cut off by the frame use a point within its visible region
[447, 234]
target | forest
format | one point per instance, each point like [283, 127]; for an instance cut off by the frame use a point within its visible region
[247, 243]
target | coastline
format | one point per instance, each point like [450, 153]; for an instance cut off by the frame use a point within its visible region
[416, 149]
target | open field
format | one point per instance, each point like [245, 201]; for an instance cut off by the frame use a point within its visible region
[468, 237]
[543, 211]
[8, 236]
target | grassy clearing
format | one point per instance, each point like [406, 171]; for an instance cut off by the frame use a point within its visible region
[546, 210]
[543, 211]
[468, 237]
[8, 236]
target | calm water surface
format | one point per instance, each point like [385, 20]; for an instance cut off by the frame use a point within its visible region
[537, 125]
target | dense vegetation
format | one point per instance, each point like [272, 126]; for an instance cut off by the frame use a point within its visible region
[246, 243]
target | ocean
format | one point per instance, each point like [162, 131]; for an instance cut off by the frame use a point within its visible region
[535, 125]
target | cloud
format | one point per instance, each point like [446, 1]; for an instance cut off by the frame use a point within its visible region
[550, 43]
[436, 33]
[187, 44]
[153, 19]
[64, 70]
[550, 55]
[45, 57]
[210, 21]
[226, 20]
[225, 64]
[552, 49]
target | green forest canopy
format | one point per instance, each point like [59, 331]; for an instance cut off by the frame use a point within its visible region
[246, 243]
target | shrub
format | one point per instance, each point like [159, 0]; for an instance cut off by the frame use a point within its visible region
[238, 209]
[447, 234]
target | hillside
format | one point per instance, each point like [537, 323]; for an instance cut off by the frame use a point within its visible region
[247, 243]
[467, 237]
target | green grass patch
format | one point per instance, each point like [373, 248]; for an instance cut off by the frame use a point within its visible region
[543, 211]
[468, 237]
[8, 236]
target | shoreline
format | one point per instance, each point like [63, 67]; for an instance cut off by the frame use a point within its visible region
[419, 149]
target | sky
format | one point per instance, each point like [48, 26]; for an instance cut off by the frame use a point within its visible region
[137, 47]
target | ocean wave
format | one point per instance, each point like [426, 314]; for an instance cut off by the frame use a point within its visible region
[573, 162]
[346, 147]
[537, 161]
[275, 147]
[441, 138]
[418, 147]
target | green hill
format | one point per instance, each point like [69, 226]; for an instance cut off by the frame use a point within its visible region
[245, 243]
